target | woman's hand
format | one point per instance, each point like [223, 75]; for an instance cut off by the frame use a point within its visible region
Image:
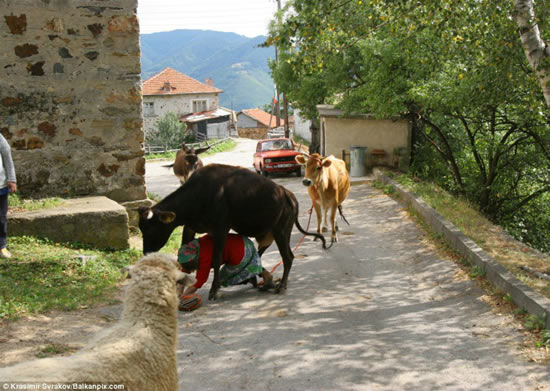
[12, 186]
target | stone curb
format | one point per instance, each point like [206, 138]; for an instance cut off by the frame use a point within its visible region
[525, 297]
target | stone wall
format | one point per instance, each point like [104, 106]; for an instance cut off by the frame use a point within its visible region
[253, 133]
[70, 97]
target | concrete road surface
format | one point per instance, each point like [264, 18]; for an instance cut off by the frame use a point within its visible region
[380, 310]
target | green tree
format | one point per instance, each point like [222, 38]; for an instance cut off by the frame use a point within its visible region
[171, 133]
[456, 69]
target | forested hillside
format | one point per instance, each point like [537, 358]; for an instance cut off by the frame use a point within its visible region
[234, 62]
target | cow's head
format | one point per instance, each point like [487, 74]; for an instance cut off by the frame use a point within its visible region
[156, 227]
[314, 165]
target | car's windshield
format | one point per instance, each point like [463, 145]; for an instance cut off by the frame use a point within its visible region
[276, 144]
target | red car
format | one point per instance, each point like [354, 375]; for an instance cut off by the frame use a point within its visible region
[276, 155]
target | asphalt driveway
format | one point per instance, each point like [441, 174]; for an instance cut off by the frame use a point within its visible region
[380, 310]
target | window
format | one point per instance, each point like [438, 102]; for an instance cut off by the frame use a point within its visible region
[199, 105]
[148, 108]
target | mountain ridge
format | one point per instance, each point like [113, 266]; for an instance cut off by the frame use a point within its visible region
[235, 63]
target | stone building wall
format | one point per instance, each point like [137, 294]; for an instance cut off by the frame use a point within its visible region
[253, 133]
[70, 97]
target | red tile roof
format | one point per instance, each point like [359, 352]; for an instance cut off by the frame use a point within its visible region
[171, 82]
[263, 117]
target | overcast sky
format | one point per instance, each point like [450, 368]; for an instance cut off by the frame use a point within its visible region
[245, 17]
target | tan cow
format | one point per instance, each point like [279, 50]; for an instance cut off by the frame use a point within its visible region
[327, 182]
[187, 162]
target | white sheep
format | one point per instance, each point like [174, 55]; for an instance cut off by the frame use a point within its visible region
[139, 351]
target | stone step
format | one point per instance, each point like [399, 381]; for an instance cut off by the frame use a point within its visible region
[96, 221]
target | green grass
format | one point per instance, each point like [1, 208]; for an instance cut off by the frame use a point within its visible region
[17, 203]
[44, 276]
[227, 145]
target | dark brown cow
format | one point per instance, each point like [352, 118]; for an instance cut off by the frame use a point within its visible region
[187, 161]
[218, 198]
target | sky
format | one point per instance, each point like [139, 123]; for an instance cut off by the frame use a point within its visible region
[244, 17]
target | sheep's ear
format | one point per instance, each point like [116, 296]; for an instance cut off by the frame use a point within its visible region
[145, 212]
[167, 217]
[185, 279]
[301, 159]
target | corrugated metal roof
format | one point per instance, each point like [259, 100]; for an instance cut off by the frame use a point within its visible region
[197, 117]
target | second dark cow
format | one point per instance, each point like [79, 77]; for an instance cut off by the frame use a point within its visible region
[187, 161]
[218, 198]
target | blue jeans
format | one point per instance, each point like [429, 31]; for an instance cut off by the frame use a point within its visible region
[3, 219]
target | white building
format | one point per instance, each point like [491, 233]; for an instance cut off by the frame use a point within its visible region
[170, 91]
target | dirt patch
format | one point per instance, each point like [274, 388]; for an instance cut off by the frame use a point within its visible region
[53, 333]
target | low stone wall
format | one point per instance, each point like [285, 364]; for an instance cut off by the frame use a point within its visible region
[95, 221]
[522, 295]
[253, 133]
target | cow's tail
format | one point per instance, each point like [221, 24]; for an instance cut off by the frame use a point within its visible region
[317, 235]
[169, 165]
[342, 214]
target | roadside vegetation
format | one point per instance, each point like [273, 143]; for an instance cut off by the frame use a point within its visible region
[44, 276]
[18, 204]
[509, 252]
[456, 70]
[512, 254]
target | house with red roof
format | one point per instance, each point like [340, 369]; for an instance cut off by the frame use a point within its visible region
[172, 91]
[255, 123]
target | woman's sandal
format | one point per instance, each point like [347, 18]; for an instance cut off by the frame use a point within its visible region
[189, 302]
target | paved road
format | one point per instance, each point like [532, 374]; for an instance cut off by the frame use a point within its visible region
[379, 311]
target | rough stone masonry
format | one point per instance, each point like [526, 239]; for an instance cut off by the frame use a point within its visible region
[70, 97]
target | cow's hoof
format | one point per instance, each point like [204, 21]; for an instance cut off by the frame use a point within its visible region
[334, 239]
[280, 288]
[214, 295]
[325, 229]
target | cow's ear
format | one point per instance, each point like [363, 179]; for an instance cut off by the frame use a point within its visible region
[167, 217]
[191, 159]
[301, 159]
[145, 212]
[327, 163]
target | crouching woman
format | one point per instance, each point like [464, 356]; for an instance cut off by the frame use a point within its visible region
[240, 262]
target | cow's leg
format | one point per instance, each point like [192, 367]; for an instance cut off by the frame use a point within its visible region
[264, 242]
[325, 223]
[282, 238]
[217, 253]
[317, 208]
[333, 209]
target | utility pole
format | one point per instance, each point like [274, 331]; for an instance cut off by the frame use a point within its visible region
[278, 106]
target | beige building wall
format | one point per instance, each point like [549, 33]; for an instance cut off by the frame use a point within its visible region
[70, 97]
[393, 137]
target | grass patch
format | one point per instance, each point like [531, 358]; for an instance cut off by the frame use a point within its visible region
[18, 204]
[54, 349]
[44, 276]
[225, 146]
